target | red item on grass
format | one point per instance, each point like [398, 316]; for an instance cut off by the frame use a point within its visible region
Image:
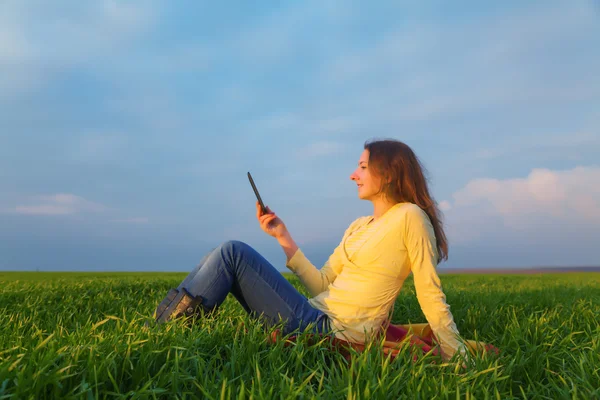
[417, 336]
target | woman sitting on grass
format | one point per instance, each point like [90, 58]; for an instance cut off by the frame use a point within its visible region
[354, 293]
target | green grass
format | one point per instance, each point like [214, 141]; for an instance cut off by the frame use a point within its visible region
[81, 335]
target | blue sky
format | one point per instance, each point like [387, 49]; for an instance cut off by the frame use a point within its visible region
[127, 128]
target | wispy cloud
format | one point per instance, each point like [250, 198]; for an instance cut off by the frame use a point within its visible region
[98, 148]
[57, 204]
[304, 122]
[320, 149]
[134, 220]
[556, 145]
[404, 76]
[80, 35]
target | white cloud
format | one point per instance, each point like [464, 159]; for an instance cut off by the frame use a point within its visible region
[57, 204]
[567, 199]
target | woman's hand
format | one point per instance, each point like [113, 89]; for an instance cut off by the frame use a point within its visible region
[463, 359]
[270, 222]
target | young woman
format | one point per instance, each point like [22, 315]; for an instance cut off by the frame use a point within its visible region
[353, 295]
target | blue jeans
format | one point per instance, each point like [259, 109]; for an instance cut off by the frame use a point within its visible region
[235, 267]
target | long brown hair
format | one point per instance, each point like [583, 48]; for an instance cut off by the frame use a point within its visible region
[394, 161]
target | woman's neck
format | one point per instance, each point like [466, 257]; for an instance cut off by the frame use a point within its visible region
[380, 207]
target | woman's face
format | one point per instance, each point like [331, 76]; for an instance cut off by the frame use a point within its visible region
[368, 185]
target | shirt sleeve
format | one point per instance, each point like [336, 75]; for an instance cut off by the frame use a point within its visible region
[317, 281]
[421, 246]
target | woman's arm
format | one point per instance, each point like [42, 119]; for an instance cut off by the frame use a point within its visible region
[316, 281]
[288, 245]
[421, 246]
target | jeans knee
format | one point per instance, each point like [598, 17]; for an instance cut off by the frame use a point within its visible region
[232, 250]
[233, 246]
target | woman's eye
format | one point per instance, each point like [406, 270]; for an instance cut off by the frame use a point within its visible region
[363, 167]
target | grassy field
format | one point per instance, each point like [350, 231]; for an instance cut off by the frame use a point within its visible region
[81, 335]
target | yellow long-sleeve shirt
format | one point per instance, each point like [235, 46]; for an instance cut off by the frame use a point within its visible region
[360, 281]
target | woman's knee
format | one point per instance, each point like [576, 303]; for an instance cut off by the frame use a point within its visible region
[232, 246]
[232, 250]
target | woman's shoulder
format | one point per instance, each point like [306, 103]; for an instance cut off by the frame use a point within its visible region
[415, 219]
[406, 213]
[401, 210]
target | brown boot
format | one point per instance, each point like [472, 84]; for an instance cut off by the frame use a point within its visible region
[179, 303]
